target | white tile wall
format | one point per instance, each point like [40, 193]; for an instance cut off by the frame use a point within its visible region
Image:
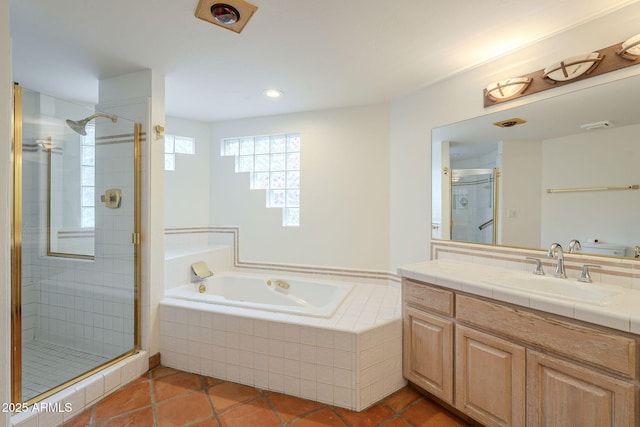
[84, 304]
[177, 270]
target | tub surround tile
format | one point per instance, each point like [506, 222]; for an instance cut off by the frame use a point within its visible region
[325, 365]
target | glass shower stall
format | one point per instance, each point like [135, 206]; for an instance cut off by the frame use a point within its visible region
[75, 242]
[474, 205]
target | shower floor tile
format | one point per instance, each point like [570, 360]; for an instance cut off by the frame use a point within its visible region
[46, 365]
[168, 397]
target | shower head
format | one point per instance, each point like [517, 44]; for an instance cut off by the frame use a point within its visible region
[79, 126]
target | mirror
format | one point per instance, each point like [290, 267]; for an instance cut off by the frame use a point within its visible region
[558, 180]
[71, 216]
[62, 162]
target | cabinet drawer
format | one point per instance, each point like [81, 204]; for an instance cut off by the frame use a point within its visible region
[428, 297]
[613, 353]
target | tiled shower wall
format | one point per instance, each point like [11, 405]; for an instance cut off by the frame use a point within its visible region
[85, 304]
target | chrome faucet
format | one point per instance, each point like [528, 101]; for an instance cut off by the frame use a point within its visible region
[556, 250]
[574, 245]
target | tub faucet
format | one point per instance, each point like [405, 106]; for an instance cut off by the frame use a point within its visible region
[556, 250]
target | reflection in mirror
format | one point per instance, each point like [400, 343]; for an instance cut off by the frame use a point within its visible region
[473, 202]
[72, 195]
[63, 161]
[552, 151]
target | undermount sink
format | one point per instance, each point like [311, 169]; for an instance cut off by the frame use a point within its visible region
[566, 289]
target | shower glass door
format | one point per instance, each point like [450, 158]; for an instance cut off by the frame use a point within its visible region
[75, 305]
[473, 205]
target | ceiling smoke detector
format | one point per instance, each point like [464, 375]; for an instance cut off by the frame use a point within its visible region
[232, 15]
[510, 122]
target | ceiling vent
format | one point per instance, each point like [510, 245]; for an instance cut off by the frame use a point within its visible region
[597, 125]
[232, 15]
[510, 122]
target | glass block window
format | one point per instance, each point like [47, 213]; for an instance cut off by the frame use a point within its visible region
[87, 178]
[173, 145]
[273, 162]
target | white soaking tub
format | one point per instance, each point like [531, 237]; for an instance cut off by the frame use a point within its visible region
[314, 298]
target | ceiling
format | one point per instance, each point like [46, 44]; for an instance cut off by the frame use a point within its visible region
[322, 54]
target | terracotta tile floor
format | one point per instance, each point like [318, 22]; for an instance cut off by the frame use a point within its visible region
[166, 397]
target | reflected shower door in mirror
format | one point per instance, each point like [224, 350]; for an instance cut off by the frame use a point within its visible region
[569, 172]
[473, 200]
[465, 191]
[76, 303]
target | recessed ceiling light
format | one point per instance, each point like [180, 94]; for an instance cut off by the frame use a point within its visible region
[273, 93]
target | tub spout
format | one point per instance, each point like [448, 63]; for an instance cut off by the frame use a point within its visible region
[200, 270]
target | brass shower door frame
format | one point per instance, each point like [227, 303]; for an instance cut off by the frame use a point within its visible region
[16, 257]
[16, 247]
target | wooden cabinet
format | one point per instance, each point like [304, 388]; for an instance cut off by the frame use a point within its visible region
[514, 366]
[490, 378]
[428, 353]
[563, 394]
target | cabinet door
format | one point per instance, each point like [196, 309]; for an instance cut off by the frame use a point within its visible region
[490, 378]
[428, 353]
[562, 394]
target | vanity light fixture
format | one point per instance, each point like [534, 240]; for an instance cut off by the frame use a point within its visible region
[506, 89]
[273, 93]
[572, 67]
[232, 15]
[630, 48]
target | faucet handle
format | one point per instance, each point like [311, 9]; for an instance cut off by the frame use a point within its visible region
[584, 274]
[538, 268]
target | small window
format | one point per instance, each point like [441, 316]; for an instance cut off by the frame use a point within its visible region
[173, 145]
[273, 162]
[87, 179]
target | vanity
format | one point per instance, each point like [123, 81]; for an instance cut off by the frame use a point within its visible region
[480, 336]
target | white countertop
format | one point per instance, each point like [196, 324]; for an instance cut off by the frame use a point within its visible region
[619, 311]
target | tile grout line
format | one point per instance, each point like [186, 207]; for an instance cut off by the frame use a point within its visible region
[265, 397]
[152, 395]
[206, 392]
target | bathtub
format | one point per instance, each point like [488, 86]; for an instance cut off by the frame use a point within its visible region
[298, 296]
[241, 329]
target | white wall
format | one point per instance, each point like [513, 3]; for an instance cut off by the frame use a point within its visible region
[344, 191]
[520, 193]
[608, 157]
[5, 226]
[460, 98]
[187, 188]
